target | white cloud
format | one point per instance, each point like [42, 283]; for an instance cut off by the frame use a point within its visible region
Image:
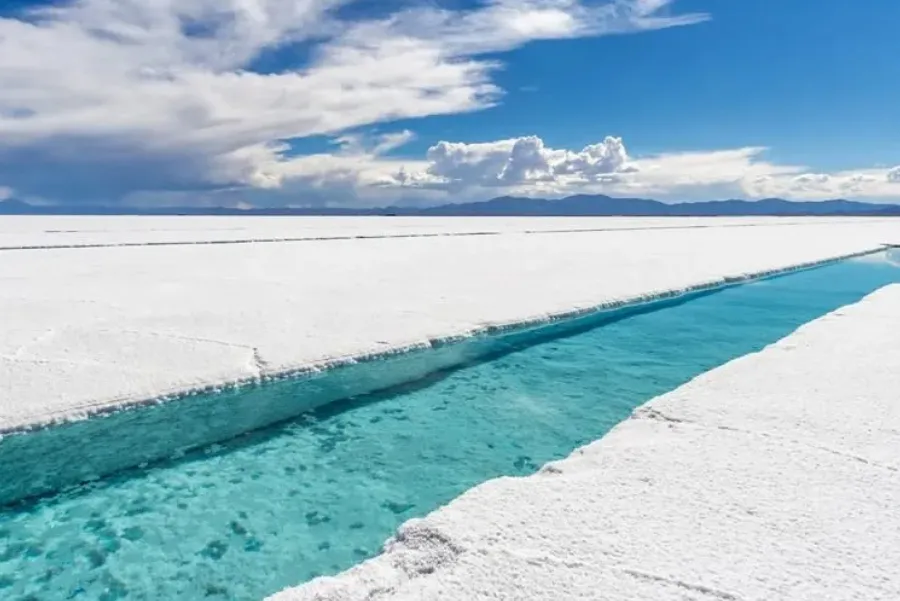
[527, 166]
[864, 184]
[361, 144]
[514, 163]
[893, 175]
[594, 160]
[456, 171]
[5, 193]
[115, 97]
[360, 174]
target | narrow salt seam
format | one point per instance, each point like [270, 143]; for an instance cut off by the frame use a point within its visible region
[774, 476]
[238, 315]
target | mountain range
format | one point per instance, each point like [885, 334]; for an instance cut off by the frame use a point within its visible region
[572, 206]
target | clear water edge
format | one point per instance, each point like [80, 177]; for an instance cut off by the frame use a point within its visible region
[54, 458]
[221, 413]
[270, 509]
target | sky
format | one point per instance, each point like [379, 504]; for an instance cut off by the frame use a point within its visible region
[418, 102]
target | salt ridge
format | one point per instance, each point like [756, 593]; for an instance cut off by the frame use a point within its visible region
[774, 476]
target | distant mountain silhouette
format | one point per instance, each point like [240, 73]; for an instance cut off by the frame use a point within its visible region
[598, 205]
[581, 205]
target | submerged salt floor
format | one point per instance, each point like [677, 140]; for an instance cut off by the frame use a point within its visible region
[101, 328]
[772, 477]
[315, 496]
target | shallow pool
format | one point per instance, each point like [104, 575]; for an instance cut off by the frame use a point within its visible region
[271, 509]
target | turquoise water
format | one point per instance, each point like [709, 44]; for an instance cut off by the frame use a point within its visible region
[243, 519]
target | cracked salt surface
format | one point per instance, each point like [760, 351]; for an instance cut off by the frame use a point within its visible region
[771, 477]
[99, 329]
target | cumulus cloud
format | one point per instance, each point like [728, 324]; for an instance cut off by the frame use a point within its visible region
[359, 173]
[812, 179]
[527, 166]
[515, 162]
[893, 175]
[603, 158]
[865, 184]
[116, 98]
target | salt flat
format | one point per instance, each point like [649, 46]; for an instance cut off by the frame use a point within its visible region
[28, 231]
[774, 476]
[86, 329]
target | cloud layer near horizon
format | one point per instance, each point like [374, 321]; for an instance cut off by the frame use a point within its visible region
[527, 166]
[360, 173]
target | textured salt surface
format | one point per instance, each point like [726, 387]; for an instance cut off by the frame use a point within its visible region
[772, 477]
[101, 328]
[69, 231]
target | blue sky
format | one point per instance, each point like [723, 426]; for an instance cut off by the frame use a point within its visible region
[310, 102]
[817, 81]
